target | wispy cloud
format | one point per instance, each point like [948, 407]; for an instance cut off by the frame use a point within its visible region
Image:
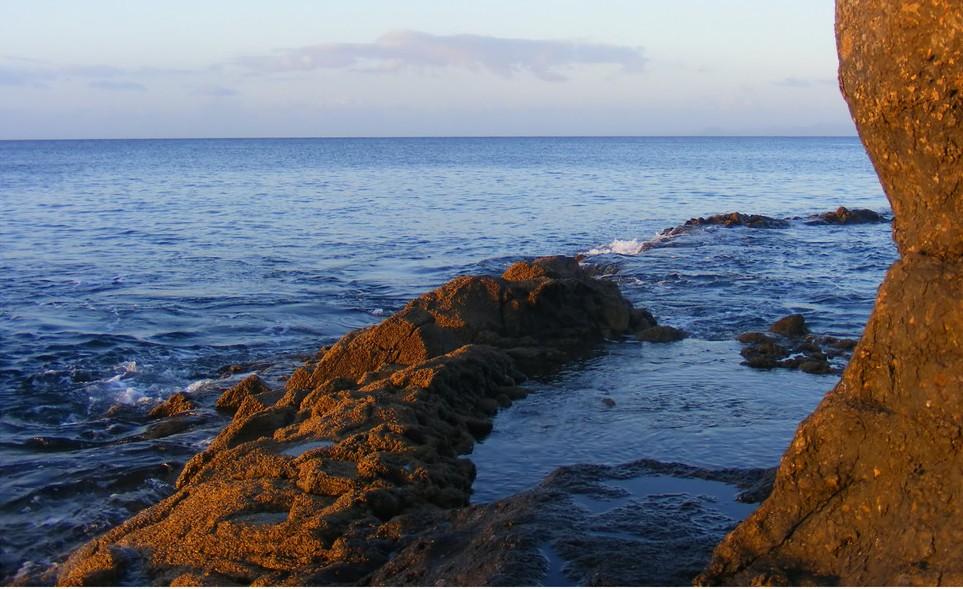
[18, 71]
[118, 85]
[216, 91]
[24, 77]
[396, 51]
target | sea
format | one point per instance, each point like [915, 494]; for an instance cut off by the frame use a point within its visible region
[130, 270]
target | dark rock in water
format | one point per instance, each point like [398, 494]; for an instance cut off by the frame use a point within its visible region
[660, 334]
[176, 404]
[641, 320]
[790, 345]
[608, 402]
[844, 216]
[736, 219]
[361, 452]
[869, 491]
[232, 369]
[249, 388]
[644, 523]
[165, 428]
[125, 411]
[790, 326]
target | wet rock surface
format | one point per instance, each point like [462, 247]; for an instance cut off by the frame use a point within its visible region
[736, 219]
[314, 484]
[644, 523]
[660, 333]
[844, 216]
[868, 493]
[789, 344]
[176, 404]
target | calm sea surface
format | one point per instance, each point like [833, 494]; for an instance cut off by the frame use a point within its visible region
[133, 269]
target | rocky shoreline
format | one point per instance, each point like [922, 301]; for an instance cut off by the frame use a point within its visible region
[303, 485]
[333, 477]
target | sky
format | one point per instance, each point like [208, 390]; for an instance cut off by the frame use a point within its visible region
[365, 68]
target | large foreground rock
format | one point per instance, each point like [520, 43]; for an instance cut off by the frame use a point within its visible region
[304, 485]
[870, 491]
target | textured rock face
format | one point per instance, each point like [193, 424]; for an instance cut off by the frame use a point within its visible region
[304, 485]
[870, 491]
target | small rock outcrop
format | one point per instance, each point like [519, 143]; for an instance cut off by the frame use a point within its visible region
[869, 491]
[844, 216]
[248, 396]
[789, 344]
[176, 404]
[307, 489]
[736, 219]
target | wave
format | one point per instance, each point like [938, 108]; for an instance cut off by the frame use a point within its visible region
[628, 247]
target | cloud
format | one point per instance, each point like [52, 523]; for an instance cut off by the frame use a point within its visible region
[117, 86]
[24, 77]
[402, 50]
[216, 91]
[19, 71]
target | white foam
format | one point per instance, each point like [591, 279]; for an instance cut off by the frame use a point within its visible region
[629, 247]
[128, 367]
[623, 247]
[199, 384]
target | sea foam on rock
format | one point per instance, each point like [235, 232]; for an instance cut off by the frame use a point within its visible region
[305, 489]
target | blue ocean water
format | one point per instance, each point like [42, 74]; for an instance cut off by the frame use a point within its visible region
[133, 269]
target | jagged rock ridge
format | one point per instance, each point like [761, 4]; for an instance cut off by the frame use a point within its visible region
[302, 486]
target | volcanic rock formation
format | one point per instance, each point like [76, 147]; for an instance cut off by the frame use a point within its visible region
[870, 492]
[304, 485]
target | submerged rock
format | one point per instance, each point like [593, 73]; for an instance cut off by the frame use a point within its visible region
[868, 492]
[299, 490]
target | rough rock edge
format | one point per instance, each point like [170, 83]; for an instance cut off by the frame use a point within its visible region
[302, 490]
[868, 492]
[176, 404]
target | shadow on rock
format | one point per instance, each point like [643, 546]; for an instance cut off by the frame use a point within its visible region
[643, 523]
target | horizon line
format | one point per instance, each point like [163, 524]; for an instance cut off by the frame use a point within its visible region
[362, 137]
